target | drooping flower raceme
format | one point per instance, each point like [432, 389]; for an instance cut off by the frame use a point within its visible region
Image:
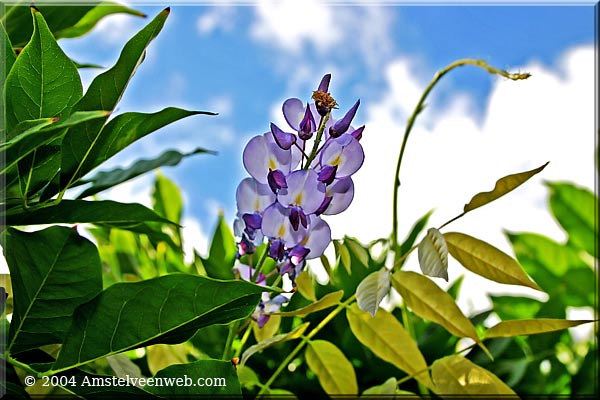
[297, 175]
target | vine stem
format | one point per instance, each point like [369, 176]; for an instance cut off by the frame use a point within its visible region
[315, 148]
[305, 340]
[420, 106]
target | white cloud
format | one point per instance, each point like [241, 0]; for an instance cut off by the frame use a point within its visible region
[194, 238]
[450, 157]
[116, 28]
[216, 18]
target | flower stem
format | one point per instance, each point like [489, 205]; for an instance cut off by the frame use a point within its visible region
[304, 341]
[315, 148]
[420, 106]
[260, 264]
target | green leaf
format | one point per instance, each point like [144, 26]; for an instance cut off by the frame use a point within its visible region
[304, 284]
[358, 251]
[43, 81]
[343, 255]
[104, 93]
[526, 327]
[455, 375]
[268, 330]
[514, 307]
[485, 260]
[336, 374]
[36, 133]
[412, 236]
[204, 377]
[9, 55]
[428, 301]
[263, 344]
[575, 209]
[222, 252]
[372, 290]
[119, 133]
[167, 309]
[329, 300]
[93, 16]
[503, 186]
[166, 199]
[123, 367]
[160, 356]
[433, 255]
[106, 212]
[107, 179]
[53, 271]
[387, 338]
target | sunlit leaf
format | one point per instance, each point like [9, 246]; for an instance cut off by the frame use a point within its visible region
[79, 211]
[160, 356]
[43, 81]
[455, 375]
[166, 199]
[329, 300]
[263, 344]
[503, 186]
[412, 236]
[526, 327]
[168, 309]
[358, 251]
[575, 208]
[429, 301]
[53, 271]
[248, 378]
[514, 307]
[372, 290]
[386, 388]
[433, 255]
[332, 368]
[8, 55]
[203, 377]
[342, 255]
[387, 338]
[484, 259]
[305, 287]
[268, 330]
[123, 367]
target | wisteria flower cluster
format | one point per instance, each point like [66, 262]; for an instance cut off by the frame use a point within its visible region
[294, 181]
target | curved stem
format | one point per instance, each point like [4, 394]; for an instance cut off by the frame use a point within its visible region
[420, 106]
[304, 341]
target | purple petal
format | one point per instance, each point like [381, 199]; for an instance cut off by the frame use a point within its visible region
[245, 246]
[252, 196]
[341, 194]
[276, 180]
[262, 154]
[345, 152]
[357, 134]
[253, 221]
[304, 190]
[283, 139]
[317, 238]
[323, 206]
[293, 111]
[343, 124]
[276, 225]
[277, 250]
[298, 254]
[324, 85]
[307, 125]
[327, 174]
[262, 320]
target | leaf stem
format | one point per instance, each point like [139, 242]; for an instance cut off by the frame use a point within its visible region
[303, 342]
[419, 107]
[23, 366]
[260, 264]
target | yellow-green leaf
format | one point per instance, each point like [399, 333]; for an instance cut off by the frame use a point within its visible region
[484, 259]
[525, 327]
[433, 255]
[428, 301]
[342, 254]
[329, 300]
[361, 254]
[388, 339]
[336, 374]
[263, 344]
[503, 186]
[161, 356]
[268, 330]
[455, 375]
[386, 388]
[305, 287]
[372, 290]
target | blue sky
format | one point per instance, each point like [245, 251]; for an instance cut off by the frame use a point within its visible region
[243, 61]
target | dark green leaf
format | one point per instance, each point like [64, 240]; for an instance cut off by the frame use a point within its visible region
[104, 93]
[91, 18]
[79, 211]
[53, 271]
[9, 55]
[35, 133]
[167, 309]
[203, 377]
[107, 179]
[222, 252]
[575, 209]
[43, 81]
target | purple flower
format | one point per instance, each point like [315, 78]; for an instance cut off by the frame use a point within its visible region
[345, 152]
[338, 197]
[253, 197]
[343, 124]
[276, 225]
[304, 190]
[283, 139]
[266, 307]
[262, 155]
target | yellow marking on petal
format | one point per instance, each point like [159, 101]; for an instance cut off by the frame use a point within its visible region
[256, 205]
[281, 231]
[272, 165]
[298, 199]
[336, 161]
